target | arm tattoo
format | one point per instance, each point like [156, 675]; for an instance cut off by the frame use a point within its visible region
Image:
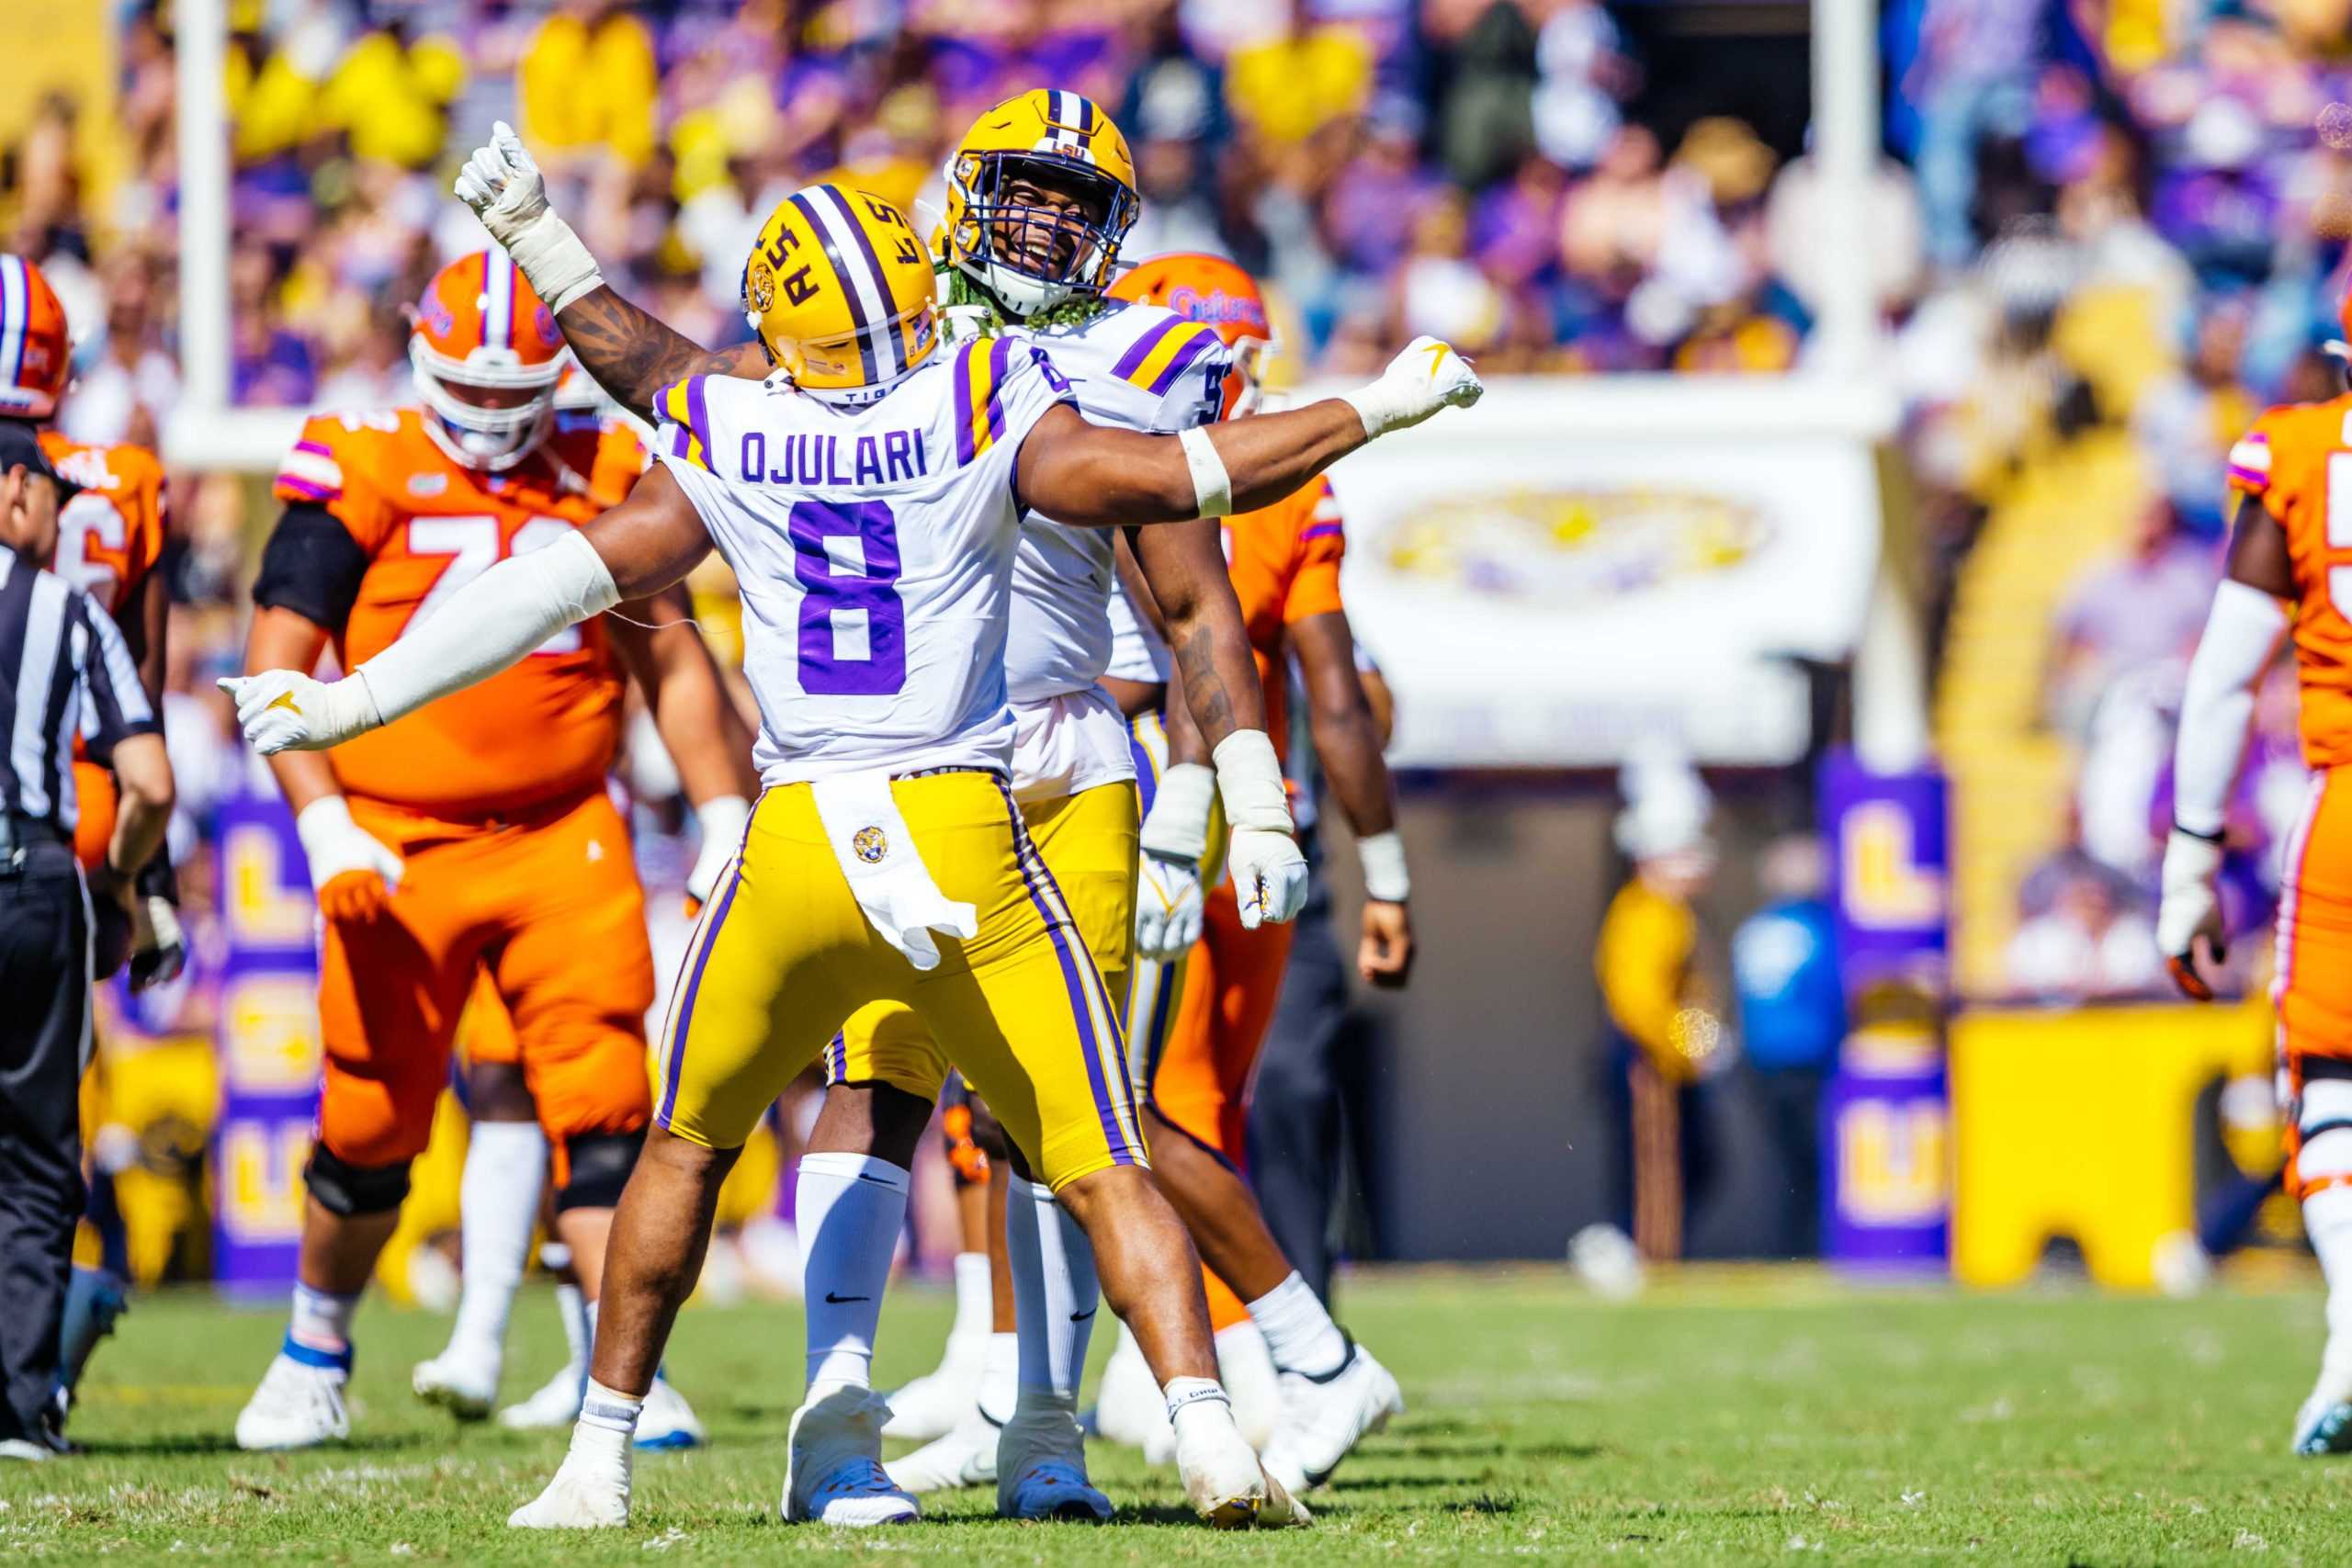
[633, 355]
[1204, 690]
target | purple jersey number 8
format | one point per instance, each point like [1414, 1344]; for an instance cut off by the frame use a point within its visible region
[833, 582]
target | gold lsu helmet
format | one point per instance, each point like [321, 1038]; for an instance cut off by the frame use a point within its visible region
[839, 289]
[1030, 255]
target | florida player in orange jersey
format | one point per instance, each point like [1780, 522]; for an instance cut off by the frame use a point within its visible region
[1195, 1038]
[2290, 573]
[109, 538]
[478, 836]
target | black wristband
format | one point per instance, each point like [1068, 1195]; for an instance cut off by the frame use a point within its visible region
[2215, 836]
[159, 879]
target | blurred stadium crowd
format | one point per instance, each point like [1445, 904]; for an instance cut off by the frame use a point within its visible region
[2104, 237]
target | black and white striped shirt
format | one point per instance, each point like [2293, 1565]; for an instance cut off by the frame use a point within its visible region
[64, 670]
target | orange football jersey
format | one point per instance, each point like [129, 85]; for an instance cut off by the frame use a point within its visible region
[2297, 461]
[109, 536]
[544, 729]
[1284, 562]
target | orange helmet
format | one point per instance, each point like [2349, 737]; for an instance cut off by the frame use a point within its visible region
[1209, 288]
[481, 329]
[36, 353]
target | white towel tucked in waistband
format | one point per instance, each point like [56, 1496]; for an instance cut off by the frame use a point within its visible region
[886, 874]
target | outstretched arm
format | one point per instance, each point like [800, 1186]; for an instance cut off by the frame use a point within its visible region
[2249, 619]
[1095, 477]
[631, 354]
[639, 547]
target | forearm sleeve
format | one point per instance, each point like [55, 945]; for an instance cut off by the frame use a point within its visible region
[490, 624]
[2242, 636]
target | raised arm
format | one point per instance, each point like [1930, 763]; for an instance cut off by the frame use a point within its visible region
[629, 351]
[1092, 475]
[2250, 617]
[639, 547]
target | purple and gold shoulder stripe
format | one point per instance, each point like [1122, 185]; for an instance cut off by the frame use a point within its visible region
[681, 406]
[981, 369]
[1158, 360]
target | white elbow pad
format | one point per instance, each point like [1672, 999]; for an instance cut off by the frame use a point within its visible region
[1212, 486]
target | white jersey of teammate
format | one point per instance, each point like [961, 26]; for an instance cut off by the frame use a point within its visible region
[874, 545]
[1139, 367]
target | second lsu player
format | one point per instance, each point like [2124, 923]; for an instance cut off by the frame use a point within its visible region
[480, 837]
[867, 494]
[2288, 566]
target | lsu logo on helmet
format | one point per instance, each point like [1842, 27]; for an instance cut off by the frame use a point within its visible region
[840, 291]
[1002, 227]
[36, 347]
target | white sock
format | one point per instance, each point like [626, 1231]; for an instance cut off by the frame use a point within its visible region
[850, 1209]
[975, 1300]
[1054, 1293]
[322, 1321]
[577, 1333]
[608, 1422]
[1195, 1400]
[1300, 1335]
[1000, 1377]
[506, 1164]
[2327, 1220]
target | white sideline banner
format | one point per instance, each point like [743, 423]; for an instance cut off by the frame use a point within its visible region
[1541, 592]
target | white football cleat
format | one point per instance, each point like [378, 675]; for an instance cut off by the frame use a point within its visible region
[1129, 1407]
[299, 1404]
[1323, 1418]
[965, 1457]
[557, 1404]
[1228, 1488]
[1040, 1468]
[464, 1385]
[667, 1421]
[2322, 1427]
[934, 1404]
[590, 1491]
[833, 1469]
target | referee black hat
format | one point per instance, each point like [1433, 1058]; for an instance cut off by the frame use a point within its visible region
[20, 448]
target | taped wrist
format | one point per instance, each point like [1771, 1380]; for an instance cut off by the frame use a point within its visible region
[1177, 827]
[1212, 486]
[1249, 781]
[347, 1190]
[324, 827]
[490, 624]
[597, 1167]
[1384, 877]
[557, 264]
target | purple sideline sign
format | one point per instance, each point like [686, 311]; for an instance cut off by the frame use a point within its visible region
[1886, 1118]
[268, 1044]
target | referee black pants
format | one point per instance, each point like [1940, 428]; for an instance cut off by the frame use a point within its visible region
[1294, 1105]
[44, 1032]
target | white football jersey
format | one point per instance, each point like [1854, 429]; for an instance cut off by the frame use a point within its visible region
[874, 547]
[1137, 367]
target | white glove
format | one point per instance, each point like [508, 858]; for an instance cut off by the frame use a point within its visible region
[503, 183]
[1426, 376]
[351, 869]
[2191, 907]
[1268, 872]
[1169, 910]
[723, 818]
[281, 710]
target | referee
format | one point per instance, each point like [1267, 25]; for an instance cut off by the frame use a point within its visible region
[63, 671]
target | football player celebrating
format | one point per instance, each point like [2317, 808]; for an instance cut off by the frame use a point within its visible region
[1195, 1057]
[1041, 191]
[2286, 575]
[868, 495]
[480, 837]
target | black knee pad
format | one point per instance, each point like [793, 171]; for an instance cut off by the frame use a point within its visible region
[599, 1164]
[354, 1190]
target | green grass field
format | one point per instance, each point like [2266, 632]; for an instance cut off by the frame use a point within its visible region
[1726, 1417]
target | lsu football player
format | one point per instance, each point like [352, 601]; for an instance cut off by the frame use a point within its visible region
[1196, 1036]
[480, 835]
[867, 494]
[110, 540]
[2289, 575]
[1041, 192]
